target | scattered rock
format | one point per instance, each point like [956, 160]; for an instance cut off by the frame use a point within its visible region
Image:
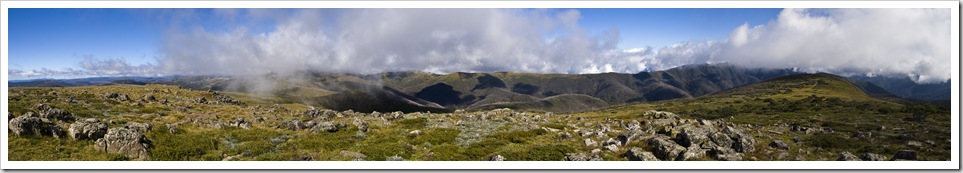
[779, 144]
[590, 142]
[872, 157]
[742, 141]
[904, 155]
[581, 157]
[43, 107]
[356, 155]
[294, 124]
[692, 136]
[633, 125]
[33, 126]
[415, 132]
[612, 148]
[139, 127]
[56, 114]
[128, 141]
[664, 148]
[497, 158]
[87, 130]
[118, 97]
[846, 156]
[914, 143]
[725, 154]
[239, 122]
[148, 98]
[201, 100]
[661, 114]
[395, 158]
[638, 154]
[171, 128]
[325, 126]
[862, 134]
[565, 135]
[693, 152]
[628, 136]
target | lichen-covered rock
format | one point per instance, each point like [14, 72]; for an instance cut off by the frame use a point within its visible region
[742, 141]
[665, 148]
[241, 123]
[497, 158]
[88, 129]
[846, 156]
[725, 154]
[356, 155]
[128, 141]
[116, 96]
[148, 98]
[395, 158]
[140, 127]
[294, 124]
[692, 136]
[691, 153]
[56, 114]
[779, 144]
[904, 155]
[872, 157]
[33, 126]
[581, 157]
[325, 126]
[661, 114]
[626, 137]
[590, 142]
[639, 154]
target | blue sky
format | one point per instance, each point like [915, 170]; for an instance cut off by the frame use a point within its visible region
[59, 38]
[661, 27]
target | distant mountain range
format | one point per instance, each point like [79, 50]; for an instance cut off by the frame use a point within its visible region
[420, 91]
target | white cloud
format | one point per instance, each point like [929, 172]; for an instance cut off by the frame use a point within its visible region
[913, 42]
[889, 42]
[892, 42]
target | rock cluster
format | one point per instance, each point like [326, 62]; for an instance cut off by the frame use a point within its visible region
[128, 140]
[88, 129]
[28, 125]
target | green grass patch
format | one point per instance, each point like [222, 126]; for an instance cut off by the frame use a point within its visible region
[518, 136]
[414, 123]
[435, 136]
[182, 146]
[548, 152]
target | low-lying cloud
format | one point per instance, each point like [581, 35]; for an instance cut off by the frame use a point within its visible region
[892, 42]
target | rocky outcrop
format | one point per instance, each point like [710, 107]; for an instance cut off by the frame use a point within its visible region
[240, 123]
[116, 96]
[52, 113]
[148, 98]
[904, 155]
[779, 144]
[581, 157]
[27, 125]
[497, 158]
[846, 156]
[626, 137]
[872, 157]
[665, 148]
[293, 124]
[639, 154]
[356, 155]
[325, 126]
[128, 140]
[88, 129]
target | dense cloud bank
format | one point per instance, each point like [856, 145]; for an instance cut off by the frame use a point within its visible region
[891, 42]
